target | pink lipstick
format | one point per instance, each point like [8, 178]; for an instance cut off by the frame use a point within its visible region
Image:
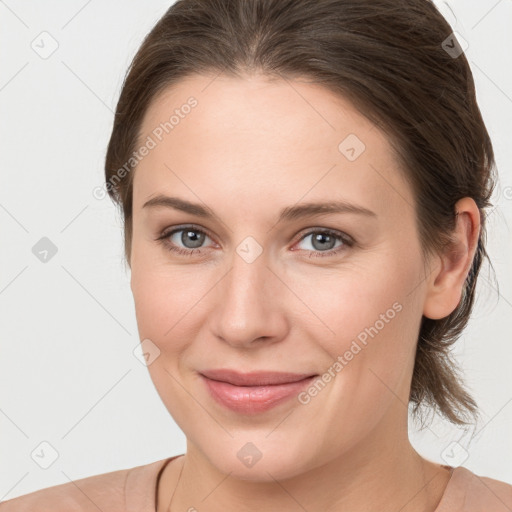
[254, 392]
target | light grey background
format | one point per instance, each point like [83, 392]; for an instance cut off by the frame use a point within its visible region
[68, 376]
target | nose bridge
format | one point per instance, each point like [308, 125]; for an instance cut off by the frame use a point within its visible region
[247, 306]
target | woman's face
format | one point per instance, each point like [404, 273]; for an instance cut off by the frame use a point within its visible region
[337, 294]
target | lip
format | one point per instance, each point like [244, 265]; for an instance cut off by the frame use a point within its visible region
[257, 378]
[254, 392]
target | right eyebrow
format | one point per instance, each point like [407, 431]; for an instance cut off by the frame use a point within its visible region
[179, 204]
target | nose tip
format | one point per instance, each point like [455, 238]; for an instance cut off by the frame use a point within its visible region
[247, 308]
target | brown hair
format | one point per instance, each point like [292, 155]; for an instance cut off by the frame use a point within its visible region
[397, 61]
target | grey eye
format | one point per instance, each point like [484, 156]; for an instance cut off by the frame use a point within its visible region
[322, 241]
[190, 238]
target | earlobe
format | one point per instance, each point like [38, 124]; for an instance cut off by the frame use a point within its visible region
[446, 283]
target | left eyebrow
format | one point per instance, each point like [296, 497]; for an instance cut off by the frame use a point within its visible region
[286, 214]
[309, 209]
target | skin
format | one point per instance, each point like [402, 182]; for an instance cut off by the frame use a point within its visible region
[248, 149]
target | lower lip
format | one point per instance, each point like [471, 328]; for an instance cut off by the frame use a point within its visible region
[254, 399]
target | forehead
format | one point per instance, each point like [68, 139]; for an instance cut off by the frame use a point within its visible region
[253, 136]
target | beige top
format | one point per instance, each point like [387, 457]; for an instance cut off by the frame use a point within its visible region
[134, 490]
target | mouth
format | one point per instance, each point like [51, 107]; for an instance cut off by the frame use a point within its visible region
[254, 392]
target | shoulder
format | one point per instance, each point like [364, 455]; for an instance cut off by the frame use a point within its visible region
[106, 491]
[76, 496]
[489, 493]
[467, 491]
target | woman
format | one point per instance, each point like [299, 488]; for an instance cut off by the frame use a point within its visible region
[248, 134]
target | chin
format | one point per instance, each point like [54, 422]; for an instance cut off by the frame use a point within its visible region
[258, 465]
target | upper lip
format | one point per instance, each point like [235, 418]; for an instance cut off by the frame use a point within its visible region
[256, 378]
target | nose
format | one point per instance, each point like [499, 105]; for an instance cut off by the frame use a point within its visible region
[249, 305]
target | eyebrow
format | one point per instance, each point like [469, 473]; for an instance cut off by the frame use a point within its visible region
[286, 214]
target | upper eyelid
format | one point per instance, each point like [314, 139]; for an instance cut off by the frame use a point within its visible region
[192, 227]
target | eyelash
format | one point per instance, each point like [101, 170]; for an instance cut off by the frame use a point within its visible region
[347, 241]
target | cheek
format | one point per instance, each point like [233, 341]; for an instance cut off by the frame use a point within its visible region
[349, 300]
[169, 301]
[373, 320]
[166, 302]
[157, 308]
[370, 357]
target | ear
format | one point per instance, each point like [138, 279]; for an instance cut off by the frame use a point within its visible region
[445, 285]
